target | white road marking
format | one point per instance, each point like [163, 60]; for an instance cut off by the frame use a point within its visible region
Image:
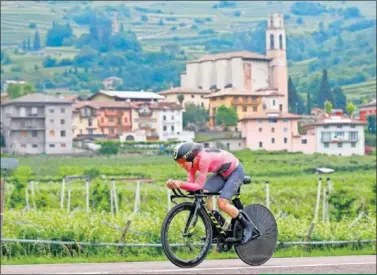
[252, 267]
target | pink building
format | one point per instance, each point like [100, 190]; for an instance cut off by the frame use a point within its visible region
[272, 130]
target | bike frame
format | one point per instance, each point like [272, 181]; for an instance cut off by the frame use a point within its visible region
[200, 203]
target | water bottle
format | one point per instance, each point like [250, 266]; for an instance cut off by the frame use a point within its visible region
[219, 218]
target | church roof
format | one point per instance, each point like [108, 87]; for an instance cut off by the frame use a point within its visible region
[230, 55]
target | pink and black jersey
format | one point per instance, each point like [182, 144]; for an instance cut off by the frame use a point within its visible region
[210, 161]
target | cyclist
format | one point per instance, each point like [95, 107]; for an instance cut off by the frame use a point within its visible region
[228, 174]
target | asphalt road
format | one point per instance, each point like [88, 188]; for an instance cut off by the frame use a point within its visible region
[313, 265]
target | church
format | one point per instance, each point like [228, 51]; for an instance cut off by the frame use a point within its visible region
[247, 81]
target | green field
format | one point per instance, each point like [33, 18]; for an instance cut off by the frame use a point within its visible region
[367, 89]
[293, 187]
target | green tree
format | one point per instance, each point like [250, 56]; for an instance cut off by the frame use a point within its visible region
[226, 116]
[350, 108]
[308, 103]
[324, 92]
[24, 46]
[340, 99]
[37, 42]
[295, 102]
[371, 124]
[328, 106]
[180, 98]
[195, 114]
[4, 58]
[28, 44]
[15, 90]
[57, 34]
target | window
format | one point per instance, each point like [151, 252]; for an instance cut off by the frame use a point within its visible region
[285, 140]
[164, 118]
[62, 121]
[172, 128]
[62, 110]
[285, 129]
[23, 145]
[119, 120]
[273, 102]
[272, 140]
[112, 131]
[126, 120]
[202, 96]
[353, 144]
[340, 145]
[260, 121]
[272, 42]
[34, 110]
[62, 145]
[281, 107]
[35, 145]
[339, 126]
[90, 131]
[52, 133]
[52, 145]
[165, 128]
[260, 130]
[254, 108]
[325, 136]
[22, 111]
[353, 126]
[34, 133]
[206, 145]
[172, 117]
[339, 134]
[22, 123]
[273, 120]
[51, 121]
[353, 136]
[51, 111]
[111, 119]
[272, 130]
[244, 109]
[260, 144]
[326, 126]
[90, 122]
[285, 120]
[304, 141]
[62, 133]
[192, 96]
[326, 145]
[202, 104]
[239, 144]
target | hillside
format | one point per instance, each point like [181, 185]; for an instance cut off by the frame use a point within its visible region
[331, 36]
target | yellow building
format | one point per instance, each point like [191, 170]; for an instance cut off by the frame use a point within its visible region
[245, 102]
[84, 119]
[190, 95]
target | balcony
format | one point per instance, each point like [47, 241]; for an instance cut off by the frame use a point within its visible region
[249, 101]
[30, 115]
[145, 113]
[337, 140]
[28, 128]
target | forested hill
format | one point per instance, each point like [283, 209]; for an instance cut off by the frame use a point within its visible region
[70, 44]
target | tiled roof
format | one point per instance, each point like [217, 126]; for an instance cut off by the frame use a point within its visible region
[230, 55]
[39, 98]
[182, 90]
[238, 92]
[130, 94]
[102, 104]
[270, 114]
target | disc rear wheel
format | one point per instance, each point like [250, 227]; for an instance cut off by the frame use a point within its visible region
[260, 250]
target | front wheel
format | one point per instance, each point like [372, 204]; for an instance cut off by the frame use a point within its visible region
[260, 250]
[186, 248]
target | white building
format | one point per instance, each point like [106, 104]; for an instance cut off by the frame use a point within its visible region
[245, 70]
[336, 135]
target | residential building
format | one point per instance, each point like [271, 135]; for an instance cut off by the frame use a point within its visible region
[37, 123]
[111, 83]
[188, 95]
[230, 143]
[338, 135]
[272, 130]
[126, 96]
[244, 102]
[84, 119]
[245, 71]
[114, 118]
[366, 110]
[159, 121]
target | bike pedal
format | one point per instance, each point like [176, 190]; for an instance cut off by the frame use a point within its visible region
[232, 240]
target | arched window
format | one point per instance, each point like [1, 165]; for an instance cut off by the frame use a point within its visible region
[272, 42]
[281, 41]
